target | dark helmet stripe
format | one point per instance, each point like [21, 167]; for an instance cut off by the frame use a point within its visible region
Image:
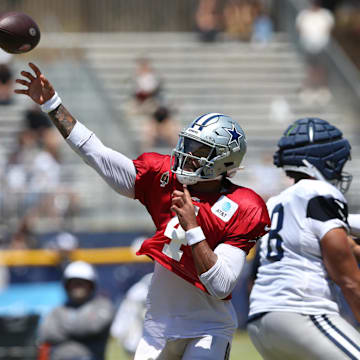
[203, 120]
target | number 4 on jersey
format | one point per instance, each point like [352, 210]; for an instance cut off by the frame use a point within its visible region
[177, 235]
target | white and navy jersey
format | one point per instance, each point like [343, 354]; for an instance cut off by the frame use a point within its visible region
[291, 275]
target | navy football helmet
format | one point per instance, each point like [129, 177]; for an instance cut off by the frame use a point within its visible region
[315, 147]
[212, 146]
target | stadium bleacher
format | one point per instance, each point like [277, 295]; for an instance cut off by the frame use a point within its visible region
[240, 79]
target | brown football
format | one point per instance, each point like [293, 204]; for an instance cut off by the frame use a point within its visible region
[19, 33]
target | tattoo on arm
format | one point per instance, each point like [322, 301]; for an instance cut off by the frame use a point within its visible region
[63, 120]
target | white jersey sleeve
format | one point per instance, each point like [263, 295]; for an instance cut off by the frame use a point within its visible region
[354, 223]
[292, 276]
[115, 168]
[325, 213]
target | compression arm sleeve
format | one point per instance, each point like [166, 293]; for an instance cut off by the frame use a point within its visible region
[115, 168]
[221, 279]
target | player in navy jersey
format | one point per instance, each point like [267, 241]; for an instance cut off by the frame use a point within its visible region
[294, 312]
[205, 225]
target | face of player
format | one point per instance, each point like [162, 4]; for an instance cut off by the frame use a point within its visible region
[197, 151]
[79, 290]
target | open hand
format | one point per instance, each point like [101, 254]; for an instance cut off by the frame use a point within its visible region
[38, 87]
[183, 207]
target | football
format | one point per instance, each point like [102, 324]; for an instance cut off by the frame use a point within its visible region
[19, 33]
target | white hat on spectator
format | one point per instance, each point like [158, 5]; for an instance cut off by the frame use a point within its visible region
[66, 241]
[80, 270]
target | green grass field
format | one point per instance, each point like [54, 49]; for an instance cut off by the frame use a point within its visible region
[242, 348]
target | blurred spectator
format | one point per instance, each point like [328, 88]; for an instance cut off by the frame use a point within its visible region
[145, 97]
[280, 110]
[38, 124]
[207, 20]
[23, 236]
[152, 118]
[32, 178]
[79, 329]
[347, 30]
[314, 25]
[128, 322]
[36, 120]
[161, 129]
[239, 18]
[64, 243]
[32, 173]
[146, 87]
[6, 85]
[262, 30]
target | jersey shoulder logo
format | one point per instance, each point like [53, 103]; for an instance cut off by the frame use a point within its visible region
[164, 180]
[224, 208]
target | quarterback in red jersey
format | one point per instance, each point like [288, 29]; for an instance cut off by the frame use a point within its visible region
[205, 225]
[233, 215]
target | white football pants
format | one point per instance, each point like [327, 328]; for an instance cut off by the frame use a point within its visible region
[203, 348]
[293, 336]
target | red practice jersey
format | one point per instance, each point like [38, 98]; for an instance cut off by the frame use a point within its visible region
[237, 217]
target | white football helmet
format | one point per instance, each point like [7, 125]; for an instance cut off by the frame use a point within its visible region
[212, 146]
[80, 270]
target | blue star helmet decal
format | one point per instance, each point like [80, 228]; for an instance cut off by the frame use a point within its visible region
[235, 135]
